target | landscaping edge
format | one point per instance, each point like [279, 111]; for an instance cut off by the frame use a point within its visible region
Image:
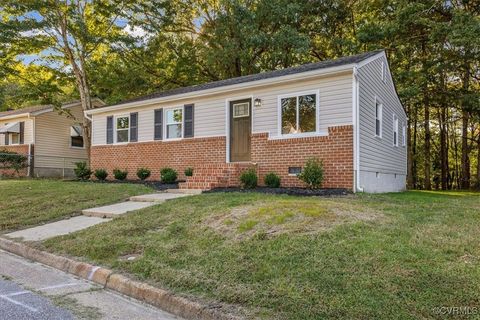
[160, 298]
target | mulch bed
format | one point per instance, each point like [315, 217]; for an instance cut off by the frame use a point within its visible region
[289, 191]
[157, 185]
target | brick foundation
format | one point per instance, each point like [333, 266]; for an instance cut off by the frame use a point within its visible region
[20, 149]
[156, 155]
[336, 151]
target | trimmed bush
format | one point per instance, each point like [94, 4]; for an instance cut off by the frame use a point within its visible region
[101, 174]
[82, 171]
[249, 179]
[189, 172]
[168, 175]
[272, 180]
[12, 160]
[312, 173]
[120, 174]
[143, 173]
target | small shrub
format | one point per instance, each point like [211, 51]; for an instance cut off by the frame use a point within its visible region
[13, 160]
[143, 173]
[168, 175]
[101, 174]
[82, 171]
[312, 173]
[249, 179]
[120, 174]
[272, 180]
[189, 172]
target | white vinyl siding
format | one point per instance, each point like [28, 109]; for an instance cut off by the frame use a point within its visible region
[52, 140]
[334, 99]
[379, 155]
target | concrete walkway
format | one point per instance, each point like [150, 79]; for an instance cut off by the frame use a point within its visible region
[58, 228]
[95, 216]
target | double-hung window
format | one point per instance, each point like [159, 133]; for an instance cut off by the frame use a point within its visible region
[14, 138]
[378, 118]
[76, 136]
[404, 135]
[122, 127]
[395, 131]
[174, 123]
[299, 113]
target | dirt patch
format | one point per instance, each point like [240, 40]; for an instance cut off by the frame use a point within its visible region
[279, 217]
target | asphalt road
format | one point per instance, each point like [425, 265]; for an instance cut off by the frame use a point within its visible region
[33, 291]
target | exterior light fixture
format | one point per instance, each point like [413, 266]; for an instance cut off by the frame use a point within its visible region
[257, 102]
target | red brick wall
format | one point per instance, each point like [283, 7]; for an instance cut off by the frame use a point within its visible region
[20, 149]
[158, 154]
[336, 151]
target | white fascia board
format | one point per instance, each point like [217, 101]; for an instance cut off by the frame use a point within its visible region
[229, 88]
[14, 116]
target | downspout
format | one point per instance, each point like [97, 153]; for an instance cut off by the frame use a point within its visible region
[356, 131]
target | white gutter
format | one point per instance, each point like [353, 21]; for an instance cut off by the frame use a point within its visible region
[228, 88]
[356, 130]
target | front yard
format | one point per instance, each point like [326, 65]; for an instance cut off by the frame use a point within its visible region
[284, 257]
[25, 203]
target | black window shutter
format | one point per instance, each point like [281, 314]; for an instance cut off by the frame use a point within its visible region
[188, 121]
[110, 130]
[158, 135]
[22, 132]
[133, 126]
[7, 141]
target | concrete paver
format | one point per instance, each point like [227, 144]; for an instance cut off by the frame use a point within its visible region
[57, 228]
[27, 289]
[159, 197]
[117, 209]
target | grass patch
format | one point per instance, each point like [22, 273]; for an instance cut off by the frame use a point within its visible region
[25, 203]
[365, 256]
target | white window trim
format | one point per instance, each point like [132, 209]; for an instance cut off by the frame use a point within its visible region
[380, 104]
[404, 134]
[74, 147]
[127, 115]
[165, 125]
[395, 129]
[317, 115]
[10, 139]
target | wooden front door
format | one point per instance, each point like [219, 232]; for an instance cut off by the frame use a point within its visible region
[240, 130]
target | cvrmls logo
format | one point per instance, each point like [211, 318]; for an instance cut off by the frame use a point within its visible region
[456, 310]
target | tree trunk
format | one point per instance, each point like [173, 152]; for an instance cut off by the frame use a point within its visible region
[411, 148]
[443, 149]
[426, 149]
[465, 162]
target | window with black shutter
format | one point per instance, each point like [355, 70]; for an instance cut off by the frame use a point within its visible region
[158, 130]
[188, 121]
[133, 126]
[110, 130]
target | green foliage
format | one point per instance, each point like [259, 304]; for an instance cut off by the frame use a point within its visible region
[189, 172]
[312, 173]
[12, 160]
[272, 180]
[101, 174]
[82, 171]
[168, 175]
[143, 173]
[249, 179]
[120, 174]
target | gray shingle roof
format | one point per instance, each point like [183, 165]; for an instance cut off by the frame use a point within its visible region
[24, 110]
[254, 77]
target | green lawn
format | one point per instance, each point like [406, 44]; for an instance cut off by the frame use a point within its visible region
[25, 203]
[359, 257]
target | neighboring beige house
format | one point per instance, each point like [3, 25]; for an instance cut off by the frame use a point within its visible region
[52, 139]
